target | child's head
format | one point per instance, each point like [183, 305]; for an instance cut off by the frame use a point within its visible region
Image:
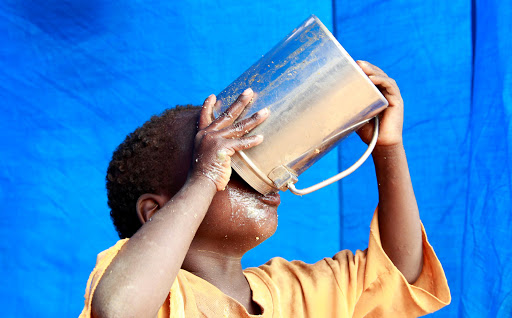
[156, 158]
[150, 160]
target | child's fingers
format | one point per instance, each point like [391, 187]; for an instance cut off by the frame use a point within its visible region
[388, 83]
[388, 87]
[370, 69]
[366, 130]
[243, 127]
[232, 113]
[246, 142]
[206, 116]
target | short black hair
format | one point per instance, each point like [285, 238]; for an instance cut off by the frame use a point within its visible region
[143, 163]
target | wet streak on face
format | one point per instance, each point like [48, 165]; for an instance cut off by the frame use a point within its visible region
[240, 217]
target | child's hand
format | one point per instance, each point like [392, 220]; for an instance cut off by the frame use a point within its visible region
[391, 119]
[217, 140]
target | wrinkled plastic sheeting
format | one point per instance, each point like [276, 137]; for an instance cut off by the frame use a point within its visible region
[486, 289]
[457, 135]
[76, 77]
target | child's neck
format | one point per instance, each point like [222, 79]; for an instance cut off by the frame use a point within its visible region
[224, 272]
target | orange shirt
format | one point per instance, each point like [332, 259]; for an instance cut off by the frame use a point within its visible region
[366, 284]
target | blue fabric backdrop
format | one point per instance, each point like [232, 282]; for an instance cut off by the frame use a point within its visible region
[486, 282]
[77, 76]
[428, 50]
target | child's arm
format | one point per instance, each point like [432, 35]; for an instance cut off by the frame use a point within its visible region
[139, 278]
[399, 222]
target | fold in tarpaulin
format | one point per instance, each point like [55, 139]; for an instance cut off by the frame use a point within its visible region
[453, 64]
[77, 76]
[487, 252]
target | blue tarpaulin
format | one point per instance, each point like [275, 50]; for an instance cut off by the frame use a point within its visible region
[77, 76]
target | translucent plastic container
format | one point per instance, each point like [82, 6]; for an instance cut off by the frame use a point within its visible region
[316, 94]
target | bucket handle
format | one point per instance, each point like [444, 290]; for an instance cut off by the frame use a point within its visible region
[344, 173]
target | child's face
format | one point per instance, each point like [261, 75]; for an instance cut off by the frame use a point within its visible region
[240, 214]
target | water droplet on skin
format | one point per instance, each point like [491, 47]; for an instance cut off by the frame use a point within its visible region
[222, 155]
[252, 213]
[246, 206]
[257, 238]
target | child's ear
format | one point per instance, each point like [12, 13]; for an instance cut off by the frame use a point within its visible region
[148, 204]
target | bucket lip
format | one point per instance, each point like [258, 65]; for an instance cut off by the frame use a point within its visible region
[349, 58]
[252, 178]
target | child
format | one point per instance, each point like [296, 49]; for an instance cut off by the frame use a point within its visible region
[189, 222]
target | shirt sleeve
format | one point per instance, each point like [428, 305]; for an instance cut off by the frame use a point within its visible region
[386, 292]
[102, 262]
[174, 299]
[361, 284]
